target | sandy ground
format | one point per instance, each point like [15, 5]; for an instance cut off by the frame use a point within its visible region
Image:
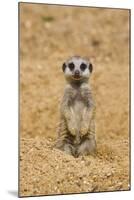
[48, 35]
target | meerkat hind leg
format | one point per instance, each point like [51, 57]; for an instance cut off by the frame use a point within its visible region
[65, 145]
[87, 146]
[69, 149]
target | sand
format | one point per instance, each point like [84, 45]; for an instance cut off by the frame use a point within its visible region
[48, 35]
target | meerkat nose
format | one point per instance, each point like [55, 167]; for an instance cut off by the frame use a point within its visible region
[77, 72]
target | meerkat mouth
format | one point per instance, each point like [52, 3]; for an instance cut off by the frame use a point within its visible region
[76, 77]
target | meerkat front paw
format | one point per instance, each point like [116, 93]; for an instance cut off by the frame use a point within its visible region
[84, 128]
[72, 127]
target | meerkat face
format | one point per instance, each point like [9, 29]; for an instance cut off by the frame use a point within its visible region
[77, 68]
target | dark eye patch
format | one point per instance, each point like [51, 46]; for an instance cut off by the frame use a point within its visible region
[83, 66]
[71, 66]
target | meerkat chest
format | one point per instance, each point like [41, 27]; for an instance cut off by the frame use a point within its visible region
[78, 109]
[78, 104]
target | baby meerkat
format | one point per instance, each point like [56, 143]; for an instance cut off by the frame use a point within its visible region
[76, 131]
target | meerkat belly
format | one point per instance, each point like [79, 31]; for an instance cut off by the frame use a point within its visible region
[78, 108]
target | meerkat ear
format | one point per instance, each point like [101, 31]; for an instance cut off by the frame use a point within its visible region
[63, 67]
[90, 67]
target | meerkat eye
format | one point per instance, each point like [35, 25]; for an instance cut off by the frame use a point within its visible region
[83, 66]
[71, 66]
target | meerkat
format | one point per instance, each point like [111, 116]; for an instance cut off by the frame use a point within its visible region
[76, 131]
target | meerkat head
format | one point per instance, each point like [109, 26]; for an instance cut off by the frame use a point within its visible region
[77, 69]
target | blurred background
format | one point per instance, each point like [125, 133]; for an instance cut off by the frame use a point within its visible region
[49, 34]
